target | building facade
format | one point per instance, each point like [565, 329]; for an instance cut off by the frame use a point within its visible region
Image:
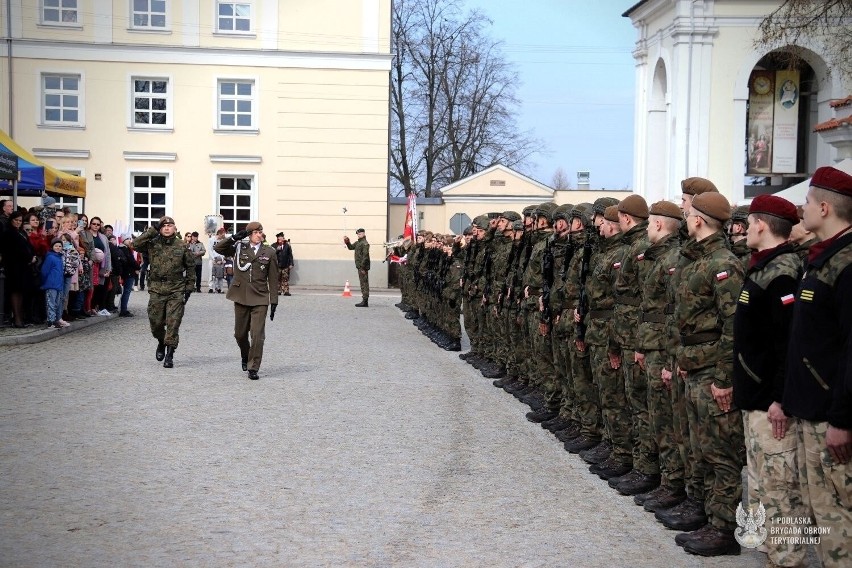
[711, 103]
[249, 109]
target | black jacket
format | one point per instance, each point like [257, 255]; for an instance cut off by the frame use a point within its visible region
[284, 254]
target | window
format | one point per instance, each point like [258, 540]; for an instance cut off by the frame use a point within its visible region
[233, 17]
[149, 199]
[59, 11]
[149, 14]
[61, 98]
[236, 101]
[151, 102]
[235, 201]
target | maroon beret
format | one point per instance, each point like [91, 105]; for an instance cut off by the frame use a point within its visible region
[775, 206]
[833, 179]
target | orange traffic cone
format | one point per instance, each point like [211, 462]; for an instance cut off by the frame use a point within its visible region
[347, 293]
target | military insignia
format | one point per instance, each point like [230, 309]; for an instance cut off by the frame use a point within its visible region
[722, 275]
[807, 296]
[744, 297]
[788, 299]
[751, 532]
[616, 265]
[640, 256]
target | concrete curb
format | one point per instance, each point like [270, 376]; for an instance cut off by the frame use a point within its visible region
[43, 333]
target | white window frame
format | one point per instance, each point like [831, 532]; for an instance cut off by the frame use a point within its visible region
[43, 92]
[234, 17]
[131, 191]
[252, 193]
[169, 97]
[149, 13]
[62, 11]
[253, 99]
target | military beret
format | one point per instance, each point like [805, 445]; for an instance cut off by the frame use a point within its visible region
[279, 234]
[634, 205]
[714, 205]
[360, 231]
[493, 215]
[740, 214]
[584, 212]
[611, 213]
[481, 222]
[254, 226]
[510, 216]
[166, 220]
[602, 203]
[666, 209]
[832, 179]
[518, 226]
[528, 210]
[562, 212]
[697, 186]
[775, 206]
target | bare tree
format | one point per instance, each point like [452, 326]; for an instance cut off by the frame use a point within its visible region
[452, 98]
[560, 180]
[796, 22]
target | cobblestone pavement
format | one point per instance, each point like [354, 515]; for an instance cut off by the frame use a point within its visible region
[361, 445]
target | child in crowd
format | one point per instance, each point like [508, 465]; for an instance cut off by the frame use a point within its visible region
[218, 273]
[53, 283]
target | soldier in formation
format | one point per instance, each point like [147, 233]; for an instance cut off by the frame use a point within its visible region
[652, 342]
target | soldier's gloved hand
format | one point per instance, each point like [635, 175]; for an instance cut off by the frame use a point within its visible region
[346, 240]
[272, 309]
[240, 235]
[186, 296]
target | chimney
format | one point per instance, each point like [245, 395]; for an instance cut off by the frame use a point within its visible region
[583, 180]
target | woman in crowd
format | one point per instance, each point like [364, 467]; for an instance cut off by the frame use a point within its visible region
[38, 237]
[73, 269]
[18, 261]
[40, 241]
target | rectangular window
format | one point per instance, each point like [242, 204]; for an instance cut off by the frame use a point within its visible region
[151, 102]
[235, 201]
[236, 103]
[61, 99]
[233, 17]
[149, 199]
[149, 14]
[59, 11]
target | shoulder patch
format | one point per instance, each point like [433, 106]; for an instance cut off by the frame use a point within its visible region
[788, 299]
[806, 296]
[744, 297]
[616, 265]
[672, 270]
[722, 275]
[640, 256]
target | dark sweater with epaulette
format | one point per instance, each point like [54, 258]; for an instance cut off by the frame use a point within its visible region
[762, 328]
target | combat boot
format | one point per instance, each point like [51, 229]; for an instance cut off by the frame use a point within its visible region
[667, 498]
[495, 371]
[614, 481]
[168, 362]
[639, 484]
[556, 424]
[412, 315]
[464, 356]
[598, 454]
[713, 542]
[611, 468]
[161, 351]
[682, 538]
[688, 516]
[453, 345]
[581, 443]
[542, 415]
[640, 498]
[500, 383]
[569, 433]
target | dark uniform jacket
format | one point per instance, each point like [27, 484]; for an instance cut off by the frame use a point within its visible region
[284, 254]
[171, 266]
[362, 253]
[762, 328]
[255, 280]
[819, 358]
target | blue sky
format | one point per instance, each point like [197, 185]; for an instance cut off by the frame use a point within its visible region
[577, 83]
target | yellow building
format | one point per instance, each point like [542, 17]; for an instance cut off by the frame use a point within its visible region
[249, 109]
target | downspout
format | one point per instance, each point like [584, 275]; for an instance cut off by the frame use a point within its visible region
[390, 141]
[9, 62]
[687, 173]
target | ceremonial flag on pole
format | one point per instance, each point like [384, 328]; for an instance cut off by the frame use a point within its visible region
[410, 230]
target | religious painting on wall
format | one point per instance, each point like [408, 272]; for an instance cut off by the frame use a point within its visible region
[761, 103]
[786, 122]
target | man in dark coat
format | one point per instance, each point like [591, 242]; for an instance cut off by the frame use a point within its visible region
[284, 253]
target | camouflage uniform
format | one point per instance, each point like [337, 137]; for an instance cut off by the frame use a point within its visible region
[171, 273]
[362, 263]
[761, 335]
[741, 251]
[818, 391]
[562, 332]
[660, 259]
[710, 282]
[539, 346]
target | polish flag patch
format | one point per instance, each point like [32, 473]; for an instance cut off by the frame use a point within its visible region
[640, 256]
[788, 299]
[616, 265]
[722, 275]
[672, 270]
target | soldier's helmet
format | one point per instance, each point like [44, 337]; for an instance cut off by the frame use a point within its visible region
[583, 212]
[740, 215]
[600, 205]
[546, 210]
[528, 211]
[481, 222]
[562, 212]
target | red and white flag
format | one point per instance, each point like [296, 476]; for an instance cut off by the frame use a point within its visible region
[722, 275]
[410, 230]
[788, 299]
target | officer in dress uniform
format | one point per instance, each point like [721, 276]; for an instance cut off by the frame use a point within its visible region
[253, 290]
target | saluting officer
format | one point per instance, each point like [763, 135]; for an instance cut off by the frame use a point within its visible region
[253, 290]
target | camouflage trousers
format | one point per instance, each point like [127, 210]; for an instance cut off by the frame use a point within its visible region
[645, 457]
[693, 472]
[773, 481]
[516, 366]
[614, 411]
[540, 358]
[493, 327]
[717, 444]
[827, 492]
[660, 420]
[587, 407]
[470, 323]
[165, 312]
[284, 280]
[364, 281]
[562, 368]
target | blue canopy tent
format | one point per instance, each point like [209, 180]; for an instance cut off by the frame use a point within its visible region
[35, 176]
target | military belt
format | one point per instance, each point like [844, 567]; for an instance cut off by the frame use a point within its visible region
[670, 308]
[653, 317]
[699, 338]
[600, 314]
[628, 300]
